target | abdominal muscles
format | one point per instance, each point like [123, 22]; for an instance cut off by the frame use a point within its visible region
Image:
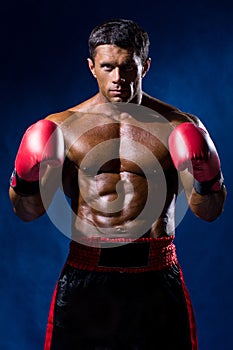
[117, 205]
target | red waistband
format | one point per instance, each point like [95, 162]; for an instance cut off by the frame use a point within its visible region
[159, 253]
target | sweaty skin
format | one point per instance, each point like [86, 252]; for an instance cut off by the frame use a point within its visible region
[116, 161]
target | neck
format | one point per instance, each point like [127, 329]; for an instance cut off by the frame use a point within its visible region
[99, 99]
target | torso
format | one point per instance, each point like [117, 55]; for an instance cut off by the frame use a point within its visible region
[118, 171]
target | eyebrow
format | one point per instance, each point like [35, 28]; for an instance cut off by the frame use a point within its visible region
[112, 63]
[106, 64]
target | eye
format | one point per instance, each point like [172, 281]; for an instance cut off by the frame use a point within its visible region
[107, 67]
[127, 68]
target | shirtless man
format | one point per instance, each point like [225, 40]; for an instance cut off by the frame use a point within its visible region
[124, 158]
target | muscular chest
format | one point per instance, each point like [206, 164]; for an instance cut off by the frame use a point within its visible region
[118, 146]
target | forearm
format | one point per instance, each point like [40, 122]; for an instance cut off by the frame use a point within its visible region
[27, 208]
[30, 207]
[37, 169]
[196, 158]
[207, 207]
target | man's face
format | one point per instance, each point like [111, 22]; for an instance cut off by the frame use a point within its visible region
[119, 73]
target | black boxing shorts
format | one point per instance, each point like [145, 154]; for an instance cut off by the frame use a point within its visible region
[131, 297]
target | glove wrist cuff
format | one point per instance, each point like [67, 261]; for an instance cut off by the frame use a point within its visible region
[211, 186]
[23, 187]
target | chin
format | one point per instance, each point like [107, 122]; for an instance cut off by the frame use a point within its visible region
[120, 99]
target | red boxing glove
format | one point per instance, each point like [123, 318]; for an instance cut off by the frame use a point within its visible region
[191, 147]
[41, 145]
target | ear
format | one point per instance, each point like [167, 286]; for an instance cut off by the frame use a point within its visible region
[91, 66]
[146, 67]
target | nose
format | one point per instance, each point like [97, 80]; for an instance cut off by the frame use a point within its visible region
[117, 76]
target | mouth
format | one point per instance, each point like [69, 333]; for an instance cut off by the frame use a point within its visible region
[117, 92]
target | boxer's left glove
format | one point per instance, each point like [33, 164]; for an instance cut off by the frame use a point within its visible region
[41, 145]
[191, 147]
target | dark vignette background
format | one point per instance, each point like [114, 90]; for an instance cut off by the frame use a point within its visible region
[44, 70]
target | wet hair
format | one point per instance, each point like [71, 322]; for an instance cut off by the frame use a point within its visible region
[123, 33]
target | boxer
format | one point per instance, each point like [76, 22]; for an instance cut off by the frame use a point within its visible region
[122, 286]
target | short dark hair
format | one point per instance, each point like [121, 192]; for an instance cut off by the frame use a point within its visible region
[123, 33]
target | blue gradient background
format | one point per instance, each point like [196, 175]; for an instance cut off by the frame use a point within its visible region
[44, 70]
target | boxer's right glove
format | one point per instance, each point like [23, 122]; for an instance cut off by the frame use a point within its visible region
[191, 147]
[41, 145]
